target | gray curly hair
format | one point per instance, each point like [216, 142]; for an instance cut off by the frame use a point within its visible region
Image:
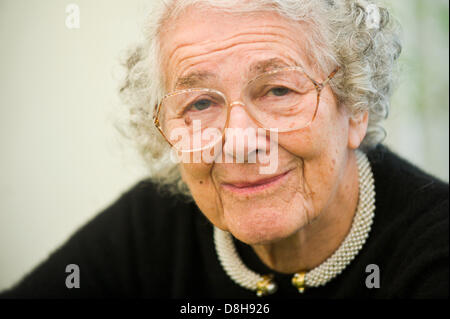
[338, 36]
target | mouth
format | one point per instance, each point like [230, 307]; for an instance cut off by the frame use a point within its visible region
[246, 188]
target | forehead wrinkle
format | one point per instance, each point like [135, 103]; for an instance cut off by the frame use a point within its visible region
[252, 31]
[275, 62]
[258, 37]
[256, 33]
[211, 46]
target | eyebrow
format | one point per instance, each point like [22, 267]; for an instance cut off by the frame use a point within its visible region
[198, 78]
[194, 79]
[260, 67]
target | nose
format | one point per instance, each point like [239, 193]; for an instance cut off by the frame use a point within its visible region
[242, 137]
[239, 117]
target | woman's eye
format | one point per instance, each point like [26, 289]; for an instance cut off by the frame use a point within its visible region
[201, 105]
[280, 91]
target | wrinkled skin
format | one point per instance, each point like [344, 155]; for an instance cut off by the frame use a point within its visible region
[298, 222]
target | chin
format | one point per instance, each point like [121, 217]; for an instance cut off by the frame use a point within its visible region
[262, 231]
[258, 238]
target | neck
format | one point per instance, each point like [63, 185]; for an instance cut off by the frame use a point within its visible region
[315, 242]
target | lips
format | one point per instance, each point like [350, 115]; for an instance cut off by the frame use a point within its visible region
[246, 187]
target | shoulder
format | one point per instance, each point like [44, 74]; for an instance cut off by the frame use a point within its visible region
[144, 208]
[116, 250]
[403, 179]
[402, 187]
[411, 226]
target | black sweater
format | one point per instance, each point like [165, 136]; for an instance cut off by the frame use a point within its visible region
[152, 245]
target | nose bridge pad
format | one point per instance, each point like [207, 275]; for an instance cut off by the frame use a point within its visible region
[233, 104]
[236, 103]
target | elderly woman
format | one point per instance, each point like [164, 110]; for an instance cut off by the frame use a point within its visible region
[261, 123]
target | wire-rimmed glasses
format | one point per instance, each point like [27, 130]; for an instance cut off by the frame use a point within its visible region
[284, 100]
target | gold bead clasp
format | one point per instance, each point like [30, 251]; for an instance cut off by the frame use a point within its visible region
[265, 286]
[299, 281]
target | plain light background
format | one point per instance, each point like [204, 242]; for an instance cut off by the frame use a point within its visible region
[62, 161]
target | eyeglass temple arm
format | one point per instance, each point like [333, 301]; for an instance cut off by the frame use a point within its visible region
[156, 114]
[324, 83]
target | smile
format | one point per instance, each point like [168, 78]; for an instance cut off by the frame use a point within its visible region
[246, 188]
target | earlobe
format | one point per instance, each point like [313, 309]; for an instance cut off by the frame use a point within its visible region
[357, 129]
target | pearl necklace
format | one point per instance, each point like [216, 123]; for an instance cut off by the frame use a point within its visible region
[326, 271]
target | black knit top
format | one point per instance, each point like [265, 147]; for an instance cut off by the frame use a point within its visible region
[148, 244]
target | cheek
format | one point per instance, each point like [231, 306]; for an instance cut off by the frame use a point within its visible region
[303, 143]
[198, 179]
[321, 148]
[195, 173]
[325, 135]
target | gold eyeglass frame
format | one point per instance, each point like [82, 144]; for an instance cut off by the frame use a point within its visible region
[319, 86]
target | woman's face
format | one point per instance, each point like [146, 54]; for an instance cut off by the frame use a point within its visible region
[258, 208]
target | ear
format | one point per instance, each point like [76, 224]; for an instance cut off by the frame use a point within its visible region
[357, 129]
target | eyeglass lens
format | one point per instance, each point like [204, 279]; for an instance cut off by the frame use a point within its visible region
[285, 100]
